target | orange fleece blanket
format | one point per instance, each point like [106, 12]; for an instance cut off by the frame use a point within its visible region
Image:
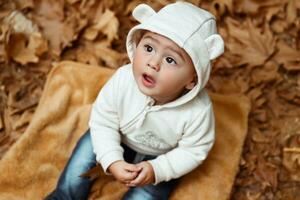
[30, 169]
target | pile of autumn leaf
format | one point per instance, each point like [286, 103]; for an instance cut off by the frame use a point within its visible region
[262, 61]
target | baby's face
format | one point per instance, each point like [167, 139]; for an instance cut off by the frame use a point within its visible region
[162, 69]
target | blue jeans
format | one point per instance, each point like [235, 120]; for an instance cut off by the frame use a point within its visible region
[71, 186]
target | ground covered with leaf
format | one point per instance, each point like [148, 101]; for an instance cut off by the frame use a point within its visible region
[261, 61]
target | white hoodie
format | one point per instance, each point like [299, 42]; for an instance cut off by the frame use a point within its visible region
[180, 132]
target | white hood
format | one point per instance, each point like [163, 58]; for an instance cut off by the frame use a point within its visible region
[190, 27]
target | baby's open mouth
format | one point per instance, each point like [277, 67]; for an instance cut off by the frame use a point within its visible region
[148, 81]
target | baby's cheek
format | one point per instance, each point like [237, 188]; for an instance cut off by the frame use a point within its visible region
[172, 79]
[166, 77]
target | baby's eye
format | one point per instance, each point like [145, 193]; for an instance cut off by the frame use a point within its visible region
[148, 48]
[170, 60]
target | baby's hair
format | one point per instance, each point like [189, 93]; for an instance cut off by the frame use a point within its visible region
[138, 36]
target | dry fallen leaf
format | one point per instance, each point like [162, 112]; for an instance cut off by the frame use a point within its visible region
[93, 173]
[260, 115]
[258, 136]
[18, 98]
[20, 24]
[268, 172]
[1, 123]
[267, 73]
[253, 46]
[86, 56]
[253, 7]
[292, 11]
[291, 157]
[107, 23]
[288, 56]
[25, 51]
[24, 43]
[220, 7]
[24, 4]
[110, 57]
[58, 28]
[23, 120]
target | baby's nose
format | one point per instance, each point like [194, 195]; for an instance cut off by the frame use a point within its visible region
[154, 63]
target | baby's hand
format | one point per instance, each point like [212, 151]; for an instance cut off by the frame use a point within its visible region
[145, 176]
[123, 171]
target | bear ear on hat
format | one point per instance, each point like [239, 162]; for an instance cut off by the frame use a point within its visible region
[142, 12]
[215, 45]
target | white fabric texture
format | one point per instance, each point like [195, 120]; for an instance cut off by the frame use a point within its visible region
[180, 132]
[182, 135]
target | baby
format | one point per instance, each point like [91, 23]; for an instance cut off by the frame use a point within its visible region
[153, 121]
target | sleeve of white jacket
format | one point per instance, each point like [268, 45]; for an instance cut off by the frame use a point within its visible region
[192, 149]
[104, 125]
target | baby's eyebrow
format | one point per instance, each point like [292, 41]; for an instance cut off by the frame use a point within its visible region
[168, 47]
[177, 52]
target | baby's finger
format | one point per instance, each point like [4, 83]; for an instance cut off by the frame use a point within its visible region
[139, 179]
[133, 168]
[129, 176]
[127, 185]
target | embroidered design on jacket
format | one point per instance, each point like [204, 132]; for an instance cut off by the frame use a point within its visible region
[152, 140]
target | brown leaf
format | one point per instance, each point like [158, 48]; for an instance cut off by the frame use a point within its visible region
[19, 99]
[110, 57]
[85, 56]
[219, 7]
[23, 120]
[291, 96]
[291, 157]
[24, 51]
[287, 56]
[225, 86]
[6, 8]
[260, 45]
[251, 160]
[260, 115]
[24, 43]
[258, 136]
[267, 172]
[108, 24]
[247, 6]
[24, 4]
[1, 123]
[57, 32]
[72, 1]
[253, 46]
[266, 73]
[254, 94]
[6, 142]
[58, 28]
[7, 123]
[93, 173]
[50, 9]
[254, 7]
[131, 5]
[272, 11]
[292, 11]
[279, 25]
[17, 49]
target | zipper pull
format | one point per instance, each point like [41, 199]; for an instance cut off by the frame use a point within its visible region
[140, 121]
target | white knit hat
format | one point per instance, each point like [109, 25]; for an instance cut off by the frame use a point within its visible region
[189, 26]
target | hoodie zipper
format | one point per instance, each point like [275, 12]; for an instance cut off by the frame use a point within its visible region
[140, 121]
[140, 117]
